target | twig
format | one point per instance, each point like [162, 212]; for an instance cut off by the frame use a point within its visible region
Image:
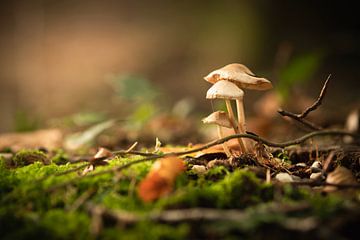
[300, 117]
[192, 214]
[64, 172]
[319, 184]
[126, 152]
[81, 200]
[328, 161]
[318, 101]
[305, 122]
[213, 143]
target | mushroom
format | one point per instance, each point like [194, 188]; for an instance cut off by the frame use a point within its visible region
[240, 75]
[221, 119]
[228, 91]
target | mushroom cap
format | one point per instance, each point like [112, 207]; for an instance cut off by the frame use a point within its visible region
[219, 118]
[240, 75]
[224, 90]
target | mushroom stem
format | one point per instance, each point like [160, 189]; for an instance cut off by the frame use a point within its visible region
[241, 117]
[221, 135]
[232, 120]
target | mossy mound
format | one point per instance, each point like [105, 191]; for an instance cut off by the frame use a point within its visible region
[52, 202]
[27, 157]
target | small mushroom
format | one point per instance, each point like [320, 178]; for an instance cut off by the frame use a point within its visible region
[221, 119]
[228, 91]
[240, 75]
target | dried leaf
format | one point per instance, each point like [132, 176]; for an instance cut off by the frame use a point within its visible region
[160, 179]
[47, 138]
[103, 153]
[78, 140]
[340, 176]
[99, 159]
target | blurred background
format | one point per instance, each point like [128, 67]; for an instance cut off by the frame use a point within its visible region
[94, 60]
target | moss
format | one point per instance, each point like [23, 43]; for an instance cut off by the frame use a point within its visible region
[326, 206]
[241, 189]
[60, 157]
[7, 179]
[237, 190]
[147, 230]
[27, 157]
[66, 225]
[29, 210]
[216, 173]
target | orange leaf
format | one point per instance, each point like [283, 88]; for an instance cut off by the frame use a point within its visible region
[160, 180]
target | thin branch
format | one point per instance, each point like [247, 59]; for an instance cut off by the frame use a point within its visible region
[318, 101]
[126, 152]
[191, 214]
[300, 117]
[213, 143]
[319, 184]
[296, 117]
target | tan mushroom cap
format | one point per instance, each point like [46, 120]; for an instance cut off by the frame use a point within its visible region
[224, 90]
[219, 118]
[240, 75]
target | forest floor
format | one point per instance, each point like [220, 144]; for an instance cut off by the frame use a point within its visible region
[300, 192]
[297, 189]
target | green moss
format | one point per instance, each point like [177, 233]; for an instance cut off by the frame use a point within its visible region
[7, 179]
[27, 157]
[241, 189]
[216, 173]
[66, 225]
[147, 230]
[60, 157]
[237, 190]
[326, 206]
[29, 210]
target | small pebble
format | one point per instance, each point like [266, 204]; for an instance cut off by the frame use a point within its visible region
[301, 164]
[284, 177]
[316, 167]
[316, 176]
[199, 169]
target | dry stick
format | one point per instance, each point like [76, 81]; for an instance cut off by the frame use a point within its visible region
[190, 214]
[318, 102]
[125, 152]
[300, 117]
[213, 143]
[305, 122]
[317, 184]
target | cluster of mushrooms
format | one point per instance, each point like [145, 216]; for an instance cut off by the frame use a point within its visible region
[228, 83]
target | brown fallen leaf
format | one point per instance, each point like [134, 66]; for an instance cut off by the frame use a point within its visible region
[159, 181]
[47, 138]
[340, 176]
[99, 159]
